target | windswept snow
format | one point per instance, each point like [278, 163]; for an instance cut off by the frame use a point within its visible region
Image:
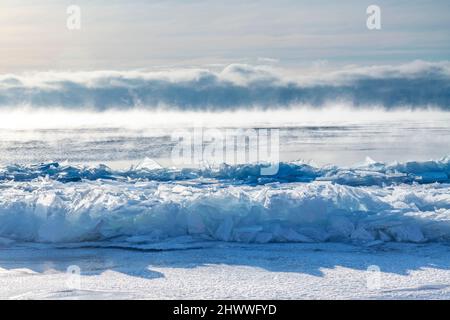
[229, 271]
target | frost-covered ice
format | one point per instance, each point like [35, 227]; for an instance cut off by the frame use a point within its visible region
[369, 204]
[368, 174]
[229, 271]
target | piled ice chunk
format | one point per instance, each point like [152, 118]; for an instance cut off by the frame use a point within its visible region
[368, 174]
[46, 210]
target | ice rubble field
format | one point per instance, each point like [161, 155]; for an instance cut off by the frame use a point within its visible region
[226, 232]
[370, 204]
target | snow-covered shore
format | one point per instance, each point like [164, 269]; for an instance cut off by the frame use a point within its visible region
[229, 271]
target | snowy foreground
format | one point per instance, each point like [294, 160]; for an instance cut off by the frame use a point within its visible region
[229, 271]
[373, 231]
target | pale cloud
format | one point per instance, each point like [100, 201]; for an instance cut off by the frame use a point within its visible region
[418, 84]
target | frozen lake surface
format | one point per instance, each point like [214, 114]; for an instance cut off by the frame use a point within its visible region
[229, 271]
[121, 139]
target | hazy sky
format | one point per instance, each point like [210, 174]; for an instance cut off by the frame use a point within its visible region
[145, 34]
